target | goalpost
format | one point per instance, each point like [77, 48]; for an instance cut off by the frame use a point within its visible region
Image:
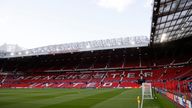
[146, 92]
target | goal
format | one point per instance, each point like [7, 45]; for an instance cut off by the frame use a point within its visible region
[146, 92]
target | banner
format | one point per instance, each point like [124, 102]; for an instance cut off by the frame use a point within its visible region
[170, 95]
[177, 99]
[182, 101]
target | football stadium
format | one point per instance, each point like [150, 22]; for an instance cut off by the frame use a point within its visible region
[126, 72]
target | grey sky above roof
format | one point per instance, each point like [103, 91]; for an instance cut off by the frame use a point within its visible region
[36, 23]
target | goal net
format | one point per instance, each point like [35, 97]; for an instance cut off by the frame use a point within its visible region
[146, 91]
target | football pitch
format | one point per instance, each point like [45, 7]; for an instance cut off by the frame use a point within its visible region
[77, 98]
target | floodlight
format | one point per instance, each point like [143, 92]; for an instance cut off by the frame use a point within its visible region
[57, 49]
[163, 37]
[12, 54]
[19, 53]
[88, 46]
[132, 42]
[26, 52]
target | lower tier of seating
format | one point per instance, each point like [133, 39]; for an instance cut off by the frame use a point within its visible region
[167, 78]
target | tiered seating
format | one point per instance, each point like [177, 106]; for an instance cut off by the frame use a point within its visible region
[175, 80]
[109, 79]
[131, 75]
[103, 69]
[1, 78]
[65, 80]
[113, 76]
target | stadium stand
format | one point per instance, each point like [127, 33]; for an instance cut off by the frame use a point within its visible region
[122, 68]
[167, 64]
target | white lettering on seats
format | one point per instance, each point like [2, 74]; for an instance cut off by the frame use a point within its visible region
[107, 84]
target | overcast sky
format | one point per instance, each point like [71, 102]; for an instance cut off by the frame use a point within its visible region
[35, 23]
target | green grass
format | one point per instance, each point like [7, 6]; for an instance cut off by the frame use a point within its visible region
[77, 98]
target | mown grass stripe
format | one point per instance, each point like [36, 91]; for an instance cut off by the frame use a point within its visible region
[20, 99]
[86, 102]
[126, 99]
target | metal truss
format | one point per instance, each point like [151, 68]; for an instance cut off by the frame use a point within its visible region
[172, 20]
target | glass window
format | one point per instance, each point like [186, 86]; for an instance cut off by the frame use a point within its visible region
[177, 15]
[187, 29]
[157, 32]
[179, 21]
[159, 20]
[160, 31]
[157, 27]
[176, 27]
[189, 3]
[162, 1]
[161, 9]
[162, 25]
[170, 17]
[168, 33]
[173, 22]
[170, 37]
[174, 5]
[172, 33]
[165, 30]
[167, 24]
[190, 11]
[183, 13]
[171, 28]
[190, 19]
[164, 19]
[167, 7]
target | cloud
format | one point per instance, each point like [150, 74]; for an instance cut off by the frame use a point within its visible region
[3, 20]
[118, 5]
[148, 3]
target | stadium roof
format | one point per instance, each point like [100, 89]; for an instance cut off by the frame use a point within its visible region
[117, 43]
[172, 20]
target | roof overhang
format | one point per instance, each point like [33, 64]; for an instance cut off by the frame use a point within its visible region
[172, 20]
[117, 43]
